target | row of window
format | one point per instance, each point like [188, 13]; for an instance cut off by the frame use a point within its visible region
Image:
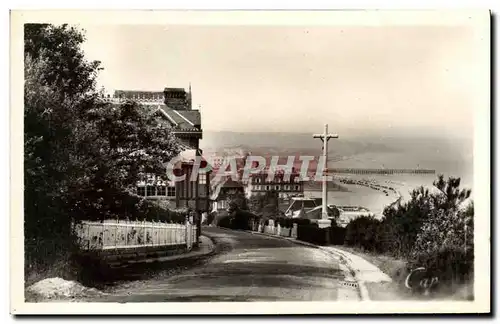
[278, 188]
[149, 191]
[279, 180]
[222, 204]
[177, 95]
[151, 180]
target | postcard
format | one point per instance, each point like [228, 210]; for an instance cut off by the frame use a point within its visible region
[250, 162]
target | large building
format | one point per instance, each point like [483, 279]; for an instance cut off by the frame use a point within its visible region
[286, 187]
[174, 109]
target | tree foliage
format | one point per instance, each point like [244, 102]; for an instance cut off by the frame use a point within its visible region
[82, 155]
[236, 201]
[266, 204]
[431, 229]
[425, 222]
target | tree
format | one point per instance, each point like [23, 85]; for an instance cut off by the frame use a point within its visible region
[362, 232]
[447, 228]
[83, 155]
[266, 204]
[59, 86]
[122, 145]
[404, 221]
[451, 196]
[237, 201]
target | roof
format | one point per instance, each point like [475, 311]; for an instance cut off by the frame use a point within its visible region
[189, 156]
[156, 96]
[175, 89]
[179, 113]
[185, 120]
[225, 182]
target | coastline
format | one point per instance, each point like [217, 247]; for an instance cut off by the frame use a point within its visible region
[373, 193]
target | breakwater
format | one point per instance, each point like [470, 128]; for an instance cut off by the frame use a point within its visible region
[381, 171]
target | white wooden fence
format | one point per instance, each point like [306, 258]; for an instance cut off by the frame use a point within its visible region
[119, 234]
[278, 230]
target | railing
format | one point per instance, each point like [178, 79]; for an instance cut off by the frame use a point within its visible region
[120, 234]
[277, 230]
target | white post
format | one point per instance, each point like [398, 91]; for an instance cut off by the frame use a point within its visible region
[324, 221]
[324, 212]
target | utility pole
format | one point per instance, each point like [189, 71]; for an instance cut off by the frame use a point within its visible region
[324, 222]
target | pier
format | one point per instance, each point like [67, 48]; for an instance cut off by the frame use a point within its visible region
[381, 171]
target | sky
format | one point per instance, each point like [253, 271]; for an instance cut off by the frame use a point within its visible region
[407, 79]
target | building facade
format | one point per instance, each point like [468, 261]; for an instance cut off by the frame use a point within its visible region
[223, 191]
[285, 187]
[173, 106]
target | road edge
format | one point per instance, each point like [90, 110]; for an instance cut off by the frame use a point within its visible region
[362, 289]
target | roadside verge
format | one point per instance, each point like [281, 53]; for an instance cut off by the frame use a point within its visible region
[205, 248]
[362, 271]
[61, 289]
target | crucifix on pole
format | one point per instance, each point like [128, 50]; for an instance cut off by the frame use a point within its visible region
[324, 138]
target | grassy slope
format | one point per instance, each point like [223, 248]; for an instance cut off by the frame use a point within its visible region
[396, 269]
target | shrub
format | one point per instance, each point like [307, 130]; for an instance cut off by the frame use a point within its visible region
[243, 219]
[225, 221]
[284, 222]
[313, 234]
[362, 232]
[450, 264]
[337, 234]
[210, 218]
[301, 221]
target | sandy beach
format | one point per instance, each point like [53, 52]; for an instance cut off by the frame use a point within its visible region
[374, 192]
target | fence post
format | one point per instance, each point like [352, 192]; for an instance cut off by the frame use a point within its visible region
[186, 223]
[103, 228]
[126, 231]
[151, 224]
[116, 231]
[88, 236]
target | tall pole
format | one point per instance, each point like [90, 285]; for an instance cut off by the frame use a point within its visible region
[324, 138]
[324, 212]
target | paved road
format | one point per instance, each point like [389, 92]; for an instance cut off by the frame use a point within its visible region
[248, 267]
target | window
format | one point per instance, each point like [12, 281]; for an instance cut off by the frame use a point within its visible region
[297, 188]
[150, 191]
[161, 191]
[257, 180]
[202, 178]
[222, 204]
[267, 187]
[309, 204]
[141, 191]
[276, 187]
[170, 191]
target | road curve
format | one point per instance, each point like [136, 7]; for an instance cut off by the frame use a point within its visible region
[249, 267]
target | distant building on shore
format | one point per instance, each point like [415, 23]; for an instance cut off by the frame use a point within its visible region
[286, 188]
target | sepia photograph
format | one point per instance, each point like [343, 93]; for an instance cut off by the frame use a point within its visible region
[250, 162]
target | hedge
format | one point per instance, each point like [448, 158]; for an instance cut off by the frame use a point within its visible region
[450, 264]
[313, 234]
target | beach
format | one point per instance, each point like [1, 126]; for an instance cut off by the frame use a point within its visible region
[368, 190]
